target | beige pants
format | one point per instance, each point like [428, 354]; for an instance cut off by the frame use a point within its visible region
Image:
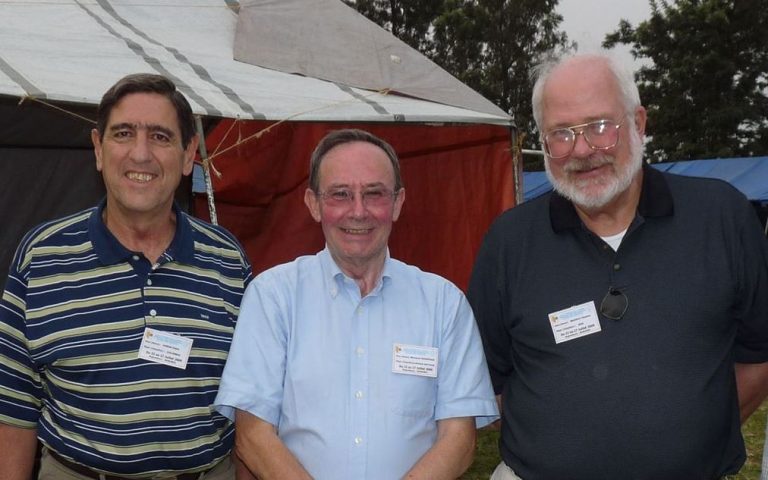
[503, 472]
[50, 469]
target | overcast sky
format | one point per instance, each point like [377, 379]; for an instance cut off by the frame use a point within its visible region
[587, 21]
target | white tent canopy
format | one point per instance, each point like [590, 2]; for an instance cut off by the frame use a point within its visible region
[72, 51]
[337, 43]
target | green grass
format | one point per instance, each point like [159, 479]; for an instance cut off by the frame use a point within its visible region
[487, 456]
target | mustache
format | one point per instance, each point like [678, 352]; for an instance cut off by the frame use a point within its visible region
[593, 161]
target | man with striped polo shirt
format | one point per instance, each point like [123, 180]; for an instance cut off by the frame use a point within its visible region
[115, 322]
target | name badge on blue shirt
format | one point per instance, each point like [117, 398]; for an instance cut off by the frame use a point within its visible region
[414, 360]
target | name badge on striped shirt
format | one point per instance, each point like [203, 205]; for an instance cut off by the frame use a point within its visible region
[165, 348]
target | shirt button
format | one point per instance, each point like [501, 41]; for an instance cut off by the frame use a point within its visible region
[153, 312]
[359, 351]
[135, 258]
[149, 281]
[358, 394]
[358, 440]
[616, 267]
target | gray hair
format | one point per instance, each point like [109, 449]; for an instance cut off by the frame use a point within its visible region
[630, 96]
[349, 135]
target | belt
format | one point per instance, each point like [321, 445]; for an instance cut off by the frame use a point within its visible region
[87, 472]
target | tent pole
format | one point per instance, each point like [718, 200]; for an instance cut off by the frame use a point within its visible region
[517, 163]
[206, 170]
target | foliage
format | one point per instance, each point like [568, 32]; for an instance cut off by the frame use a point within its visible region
[488, 44]
[507, 38]
[407, 20]
[705, 89]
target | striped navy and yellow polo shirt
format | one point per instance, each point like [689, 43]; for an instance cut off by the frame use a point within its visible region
[72, 318]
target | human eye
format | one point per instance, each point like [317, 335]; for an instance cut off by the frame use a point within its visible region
[600, 127]
[160, 137]
[122, 134]
[374, 194]
[340, 195]
[560, 135]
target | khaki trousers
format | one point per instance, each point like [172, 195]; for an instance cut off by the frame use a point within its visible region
[50, 469]
[503, 472]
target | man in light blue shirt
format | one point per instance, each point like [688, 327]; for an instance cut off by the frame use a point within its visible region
[349, 363]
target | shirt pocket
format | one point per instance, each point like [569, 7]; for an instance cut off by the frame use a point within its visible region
[412, 395]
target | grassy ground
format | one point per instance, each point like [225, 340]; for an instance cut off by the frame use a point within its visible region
[487, 456]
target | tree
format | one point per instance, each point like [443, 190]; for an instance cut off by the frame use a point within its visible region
[407, 20]
[705, 90]
[491, 45]
[488, 44]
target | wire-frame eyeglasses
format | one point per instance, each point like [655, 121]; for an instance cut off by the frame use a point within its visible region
[371, 197]
[600, 135]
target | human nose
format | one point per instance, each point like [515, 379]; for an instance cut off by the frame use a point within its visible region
[358, 205]
[581, 146]
[141, 150]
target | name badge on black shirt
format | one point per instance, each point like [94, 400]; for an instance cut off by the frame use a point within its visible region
[574, 322]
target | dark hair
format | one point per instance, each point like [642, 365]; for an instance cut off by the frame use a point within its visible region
[147, 83]
[349, 135]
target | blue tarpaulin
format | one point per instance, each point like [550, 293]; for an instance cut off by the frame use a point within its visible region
[749, 175]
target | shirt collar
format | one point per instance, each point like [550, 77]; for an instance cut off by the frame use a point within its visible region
[338, 277]
[655, 201]
[111, 251]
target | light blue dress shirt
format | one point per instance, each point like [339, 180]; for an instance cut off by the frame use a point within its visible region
[315, 359]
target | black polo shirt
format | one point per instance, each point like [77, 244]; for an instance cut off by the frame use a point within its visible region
[649, 396]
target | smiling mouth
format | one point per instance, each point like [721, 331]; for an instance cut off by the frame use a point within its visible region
[357, 231]
[140, 177]
[586, 167]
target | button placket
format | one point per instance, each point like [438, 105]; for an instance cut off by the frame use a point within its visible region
[359, 377]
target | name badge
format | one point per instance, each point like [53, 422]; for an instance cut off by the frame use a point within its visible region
[165, 348]
[574, 322]
[414, 360]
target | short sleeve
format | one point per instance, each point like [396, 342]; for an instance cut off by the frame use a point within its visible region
[752, 307]
[253, 376]
[464, 387]
[20, 387]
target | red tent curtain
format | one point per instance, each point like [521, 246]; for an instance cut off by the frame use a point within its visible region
[458, 178]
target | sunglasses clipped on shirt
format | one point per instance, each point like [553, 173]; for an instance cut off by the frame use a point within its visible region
[614, 304]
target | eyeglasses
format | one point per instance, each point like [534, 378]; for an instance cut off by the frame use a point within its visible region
[614, 304]
[372, 197]
[600, 135]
